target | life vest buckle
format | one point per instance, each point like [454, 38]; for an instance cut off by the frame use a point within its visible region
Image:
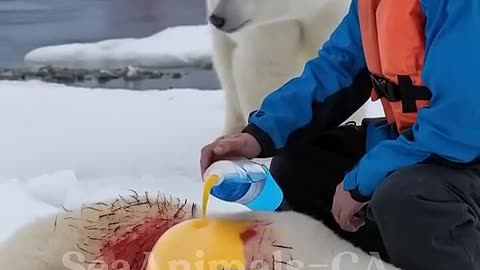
[385, 88]
[404, 91]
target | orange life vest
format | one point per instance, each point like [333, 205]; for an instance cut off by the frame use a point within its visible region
[394, 43]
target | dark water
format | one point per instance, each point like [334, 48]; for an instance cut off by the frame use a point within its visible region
[29, 24]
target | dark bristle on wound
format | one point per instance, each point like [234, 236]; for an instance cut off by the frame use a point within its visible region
[126, 230]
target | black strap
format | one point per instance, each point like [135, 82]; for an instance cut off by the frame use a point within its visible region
[407, 92]
[404, 91]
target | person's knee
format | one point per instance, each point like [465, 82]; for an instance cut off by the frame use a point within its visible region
[395, 197]
[282, 167]
[290, 166]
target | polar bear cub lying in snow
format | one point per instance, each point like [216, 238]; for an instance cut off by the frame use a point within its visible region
[120, 233]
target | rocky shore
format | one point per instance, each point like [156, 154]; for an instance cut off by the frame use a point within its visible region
[132, 78]
[68, 76]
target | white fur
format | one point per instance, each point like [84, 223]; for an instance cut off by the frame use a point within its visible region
[317, 247]
[273, 47]
[42, 245]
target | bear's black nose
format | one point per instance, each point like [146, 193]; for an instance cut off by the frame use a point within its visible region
[217, 21]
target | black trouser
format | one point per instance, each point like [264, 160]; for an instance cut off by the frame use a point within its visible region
[426, 216]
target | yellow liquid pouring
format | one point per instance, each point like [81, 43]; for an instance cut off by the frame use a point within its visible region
[207, 187]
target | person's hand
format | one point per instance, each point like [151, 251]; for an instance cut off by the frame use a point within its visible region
[344, 209]
[238, 145]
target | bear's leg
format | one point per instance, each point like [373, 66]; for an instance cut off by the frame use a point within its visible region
[223, 48]
[264, 60]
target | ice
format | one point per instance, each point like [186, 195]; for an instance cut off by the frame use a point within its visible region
[170, 48]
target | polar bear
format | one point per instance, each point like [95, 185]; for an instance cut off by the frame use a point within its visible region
[260, 44]
[120, 233]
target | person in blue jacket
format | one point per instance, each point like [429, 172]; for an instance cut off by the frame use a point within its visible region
[406, 185]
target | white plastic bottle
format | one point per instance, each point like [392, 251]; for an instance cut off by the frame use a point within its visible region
[246, 182]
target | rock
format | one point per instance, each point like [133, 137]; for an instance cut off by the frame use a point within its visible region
[105, 75]
[133, 74]
[45, 71]
[176, 75]
[207, 66]
[65, 75]
[89, 76]
[6, 73]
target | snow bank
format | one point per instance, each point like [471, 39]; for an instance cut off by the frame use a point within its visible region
[95, 133]
[169, 48]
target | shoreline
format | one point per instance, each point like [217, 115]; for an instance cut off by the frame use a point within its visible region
[133, 78]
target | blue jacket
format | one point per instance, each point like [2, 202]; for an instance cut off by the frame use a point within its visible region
[335, 84]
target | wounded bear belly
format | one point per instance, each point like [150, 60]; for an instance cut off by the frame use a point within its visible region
[122, 235]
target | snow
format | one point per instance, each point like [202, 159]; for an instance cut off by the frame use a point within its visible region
[18, 207]
[49, 127]
[63, 146]
[52, 188]
[170, 48]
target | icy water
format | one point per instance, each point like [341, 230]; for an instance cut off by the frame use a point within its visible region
[29, 24]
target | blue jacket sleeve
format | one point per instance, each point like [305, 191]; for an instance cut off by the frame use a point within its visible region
[449, 127]
[337, 67]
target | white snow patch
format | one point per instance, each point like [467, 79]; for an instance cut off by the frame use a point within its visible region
[52, 188]
[373, 109]
[96, 133]
[95, 189]
[18, 207]
[65, 146]
[169, 48]
[75, 145]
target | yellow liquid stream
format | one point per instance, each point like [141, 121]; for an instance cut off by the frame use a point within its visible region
[207, 187]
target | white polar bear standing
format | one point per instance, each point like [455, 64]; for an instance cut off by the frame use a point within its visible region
[258, 45]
